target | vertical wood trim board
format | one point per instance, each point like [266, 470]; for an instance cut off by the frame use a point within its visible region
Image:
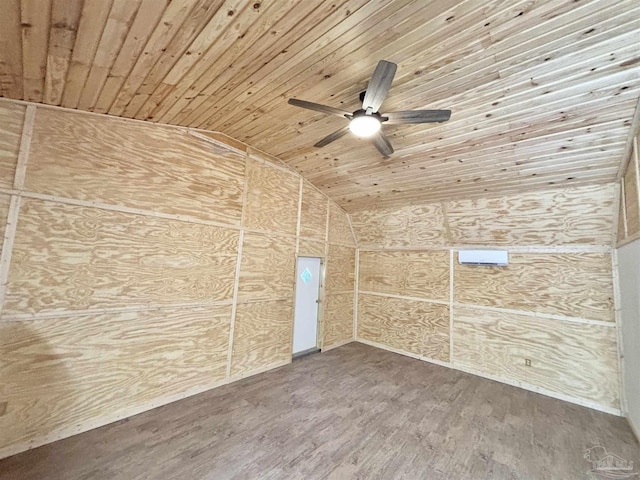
[451, 283]
[7, 246]
[618, 320]
[355, 295]
[25, 146]
[629, 230]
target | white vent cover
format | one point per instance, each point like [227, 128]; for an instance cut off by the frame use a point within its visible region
[484, 257]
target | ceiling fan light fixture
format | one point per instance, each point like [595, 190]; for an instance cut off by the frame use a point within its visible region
[364, 125]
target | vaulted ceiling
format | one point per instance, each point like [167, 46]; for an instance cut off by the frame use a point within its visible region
[542, 92]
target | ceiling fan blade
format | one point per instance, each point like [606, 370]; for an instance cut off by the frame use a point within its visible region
[318, 108]
[379, 85]
[382, 144]
[417, 116]
[334, 136]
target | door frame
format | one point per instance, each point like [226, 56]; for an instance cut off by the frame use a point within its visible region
[320, 327]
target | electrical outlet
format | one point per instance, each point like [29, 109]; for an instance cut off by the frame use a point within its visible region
[527, 362]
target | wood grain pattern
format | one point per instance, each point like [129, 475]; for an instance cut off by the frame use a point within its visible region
[417, 226]
[68, 371]
[67, 257]
[272, 199]
[146, 167]
[622, 221]
[310, 248]
[572, 284]
[423, 274]
[11, 63]
[632, 196]
[337, 319]
[566, 357]
[313, 216]
[262, 336]
[339, 228]
[411, 326]
[340, 269]
[553, 217]
[219, 66]
[5, 200]
[267, 270]
[11, 121]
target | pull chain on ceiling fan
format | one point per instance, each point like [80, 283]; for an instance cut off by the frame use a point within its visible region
[367, 121]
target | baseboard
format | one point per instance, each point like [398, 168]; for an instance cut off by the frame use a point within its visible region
[273, 366]
[514, 383]
[635, 429]
[103, 420]
[402, 352]
[336, 345]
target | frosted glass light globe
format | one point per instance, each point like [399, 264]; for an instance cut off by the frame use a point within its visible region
[364, 125]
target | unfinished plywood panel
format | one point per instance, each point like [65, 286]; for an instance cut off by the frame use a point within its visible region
[340, 269]
[423, 274]
[569, 284]
[622, 223]
[272, 199]
[67, 257]
[420, 328]
[337, 319]
[575, 359]
[313, 215]
[110, 161]
[631, 197]
[11, 122]
[261, 336]
[339, 228]
[419, 226]
[5, 200]
[310, 248]
[553, 217]
[267, 269]
[63, 375]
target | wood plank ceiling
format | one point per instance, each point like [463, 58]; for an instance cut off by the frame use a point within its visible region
[542, 92]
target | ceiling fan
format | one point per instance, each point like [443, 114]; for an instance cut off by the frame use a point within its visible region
[366, 122]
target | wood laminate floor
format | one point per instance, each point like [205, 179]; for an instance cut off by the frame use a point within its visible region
[356, 412]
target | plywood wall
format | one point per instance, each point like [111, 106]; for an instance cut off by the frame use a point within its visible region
[629, 213]
[141, 264]
[576, 216]
[553, 305]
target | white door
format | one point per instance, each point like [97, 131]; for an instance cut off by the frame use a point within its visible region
[305, 324]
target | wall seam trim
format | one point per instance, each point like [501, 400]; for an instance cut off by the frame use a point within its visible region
[511, 249]
[25, 147]
[405, 297]
[602, 323]
[236, 285]
[356, 291]
[117, 208]
[617, 299]
[451, 278]
[623, 213]
[134, 308]
[7, 246]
